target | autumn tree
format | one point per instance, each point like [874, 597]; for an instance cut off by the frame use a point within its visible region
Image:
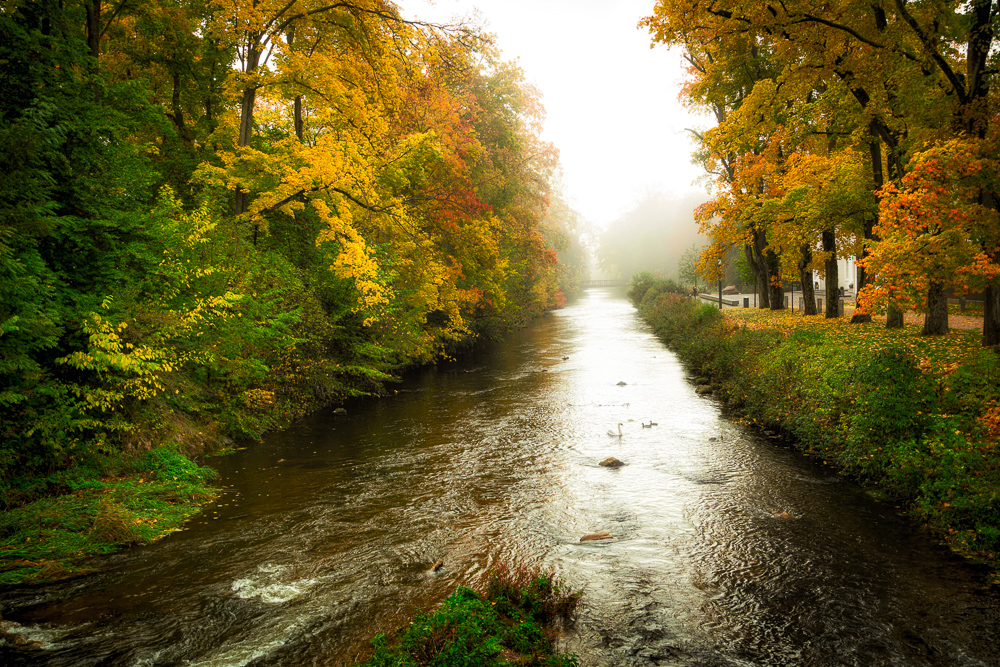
[399, 199]
[938, 227]
[918, 72]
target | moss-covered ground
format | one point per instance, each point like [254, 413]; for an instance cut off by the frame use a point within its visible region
[99, 509]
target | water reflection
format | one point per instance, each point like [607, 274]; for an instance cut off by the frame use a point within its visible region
[726, 549]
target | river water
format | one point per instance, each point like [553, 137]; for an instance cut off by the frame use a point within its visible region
[728, 548]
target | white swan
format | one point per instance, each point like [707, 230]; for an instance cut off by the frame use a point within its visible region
[618, 434]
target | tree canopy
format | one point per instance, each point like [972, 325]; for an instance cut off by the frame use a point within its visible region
[214, 215]
[852, 128]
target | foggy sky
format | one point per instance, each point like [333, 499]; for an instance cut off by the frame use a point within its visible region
[611, 101]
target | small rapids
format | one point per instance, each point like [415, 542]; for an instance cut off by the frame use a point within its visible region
[727, 549]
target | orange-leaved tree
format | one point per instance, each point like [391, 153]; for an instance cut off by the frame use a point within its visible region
[939, 227]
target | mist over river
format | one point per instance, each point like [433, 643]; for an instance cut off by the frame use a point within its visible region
[728, 548]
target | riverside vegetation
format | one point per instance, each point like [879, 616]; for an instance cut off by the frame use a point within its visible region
[215, 217]
[510, 622]
[916, 419]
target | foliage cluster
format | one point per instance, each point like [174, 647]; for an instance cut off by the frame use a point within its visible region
[913, 417]
[216, 216]
[849, 130]
[645, 285]
[508, 623]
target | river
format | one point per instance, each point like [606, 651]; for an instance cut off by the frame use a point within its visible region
[728, 548]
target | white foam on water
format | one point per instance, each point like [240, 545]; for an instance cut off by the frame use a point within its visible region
[268, 585]
[48, 636]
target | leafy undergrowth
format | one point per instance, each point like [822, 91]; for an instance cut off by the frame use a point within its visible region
[511, 622]
[913, 418]
[101, 511]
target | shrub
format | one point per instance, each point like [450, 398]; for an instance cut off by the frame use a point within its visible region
[488, 628]
[638, 285]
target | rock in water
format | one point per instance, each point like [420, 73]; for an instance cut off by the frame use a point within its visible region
[589, 537]
[611, 462]
[438, 564]
[703, 389]
[621, 384]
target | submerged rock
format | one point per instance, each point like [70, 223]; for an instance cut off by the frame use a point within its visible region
[621, 384]
[340, 411]
[704, 389]
[611, 462]
[589, 537]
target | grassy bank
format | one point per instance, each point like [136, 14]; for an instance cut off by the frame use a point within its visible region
[915, 419]
[511, 622]
[98, 509]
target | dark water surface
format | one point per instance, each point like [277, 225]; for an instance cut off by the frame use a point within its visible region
[325, 533]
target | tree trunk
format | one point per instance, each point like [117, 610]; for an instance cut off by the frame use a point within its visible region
[183, 131]
[991, 315]
[775, 290]
[893, 318]
[246, 133]
[936, 319]
[832, 277]
[755, 255]
[246, 115]
[808, 293]
[247, 102]
[300, 125]
[94, 41]
[297, 114]
[94, 28]
[878, 178]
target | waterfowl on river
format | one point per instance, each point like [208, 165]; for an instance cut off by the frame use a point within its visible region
[618, 434]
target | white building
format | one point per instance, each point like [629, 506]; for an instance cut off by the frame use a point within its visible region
[847, 276]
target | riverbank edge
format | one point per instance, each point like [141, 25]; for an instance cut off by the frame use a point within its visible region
[120, 500]
[905, 447]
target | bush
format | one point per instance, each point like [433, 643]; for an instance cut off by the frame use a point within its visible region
[645, 286]
[483, 629]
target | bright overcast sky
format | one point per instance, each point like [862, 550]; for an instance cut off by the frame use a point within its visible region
[611, 101]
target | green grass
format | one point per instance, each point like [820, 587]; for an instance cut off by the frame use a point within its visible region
[511, 622]
[100, 512]
[913, 418]
[972, 309]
